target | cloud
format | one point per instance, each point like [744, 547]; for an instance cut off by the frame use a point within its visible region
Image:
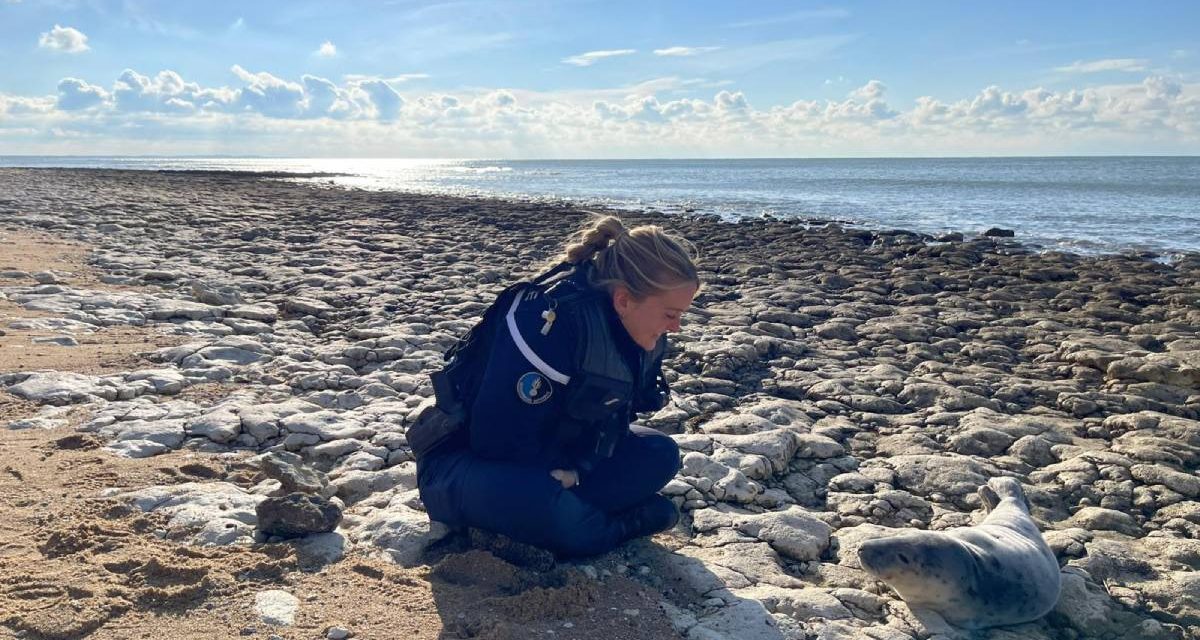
[592, 57]
[265, 114]
[872, 90]
[404, 77]
[796, 16]
[684, 51]
[1109, 64]
[269, 95]
[238, 24]
[75, 94]
[167, 92]
[326, 50]
[387, 103]
[323, 98]
[20, 105]
[63, 40]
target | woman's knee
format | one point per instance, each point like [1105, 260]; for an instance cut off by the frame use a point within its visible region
[660, 451]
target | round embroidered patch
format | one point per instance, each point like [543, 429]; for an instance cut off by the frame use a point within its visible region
[534, 388]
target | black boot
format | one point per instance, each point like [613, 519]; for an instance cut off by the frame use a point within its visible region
[657, 513]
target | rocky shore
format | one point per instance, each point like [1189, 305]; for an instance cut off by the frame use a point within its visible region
[833, 384]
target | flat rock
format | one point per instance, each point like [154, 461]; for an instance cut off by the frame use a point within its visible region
[276, 607]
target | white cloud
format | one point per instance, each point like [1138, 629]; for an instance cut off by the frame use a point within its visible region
[75, 94]
[20, 105]
[592, 57]
[165, 113]
[63, 39]
[269, 95]
[167, 92]
[326, 99]
[1109, 64]
[326, 50]
[404, 77]
[1180, 54]
[684, 51]
[387, 103]
[872, 90]
[238, 24]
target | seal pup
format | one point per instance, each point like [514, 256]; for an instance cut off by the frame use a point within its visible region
[999, 572]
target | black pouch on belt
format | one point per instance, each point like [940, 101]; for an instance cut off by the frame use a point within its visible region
[433, 427]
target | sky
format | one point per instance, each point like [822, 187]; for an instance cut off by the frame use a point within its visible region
[598, 79]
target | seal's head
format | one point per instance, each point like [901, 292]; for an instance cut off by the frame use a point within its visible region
[924, 567]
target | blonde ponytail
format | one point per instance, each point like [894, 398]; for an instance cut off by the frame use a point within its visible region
[646, 260]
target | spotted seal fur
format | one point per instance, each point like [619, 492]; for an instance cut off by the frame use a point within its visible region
[999, 572]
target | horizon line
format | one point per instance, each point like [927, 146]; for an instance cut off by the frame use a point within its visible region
[605, 159]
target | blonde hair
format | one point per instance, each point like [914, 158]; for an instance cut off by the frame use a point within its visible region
[646, 260]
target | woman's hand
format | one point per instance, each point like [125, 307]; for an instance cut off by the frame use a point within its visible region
[567, 477]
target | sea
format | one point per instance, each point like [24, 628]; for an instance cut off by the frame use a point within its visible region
[1088, 205]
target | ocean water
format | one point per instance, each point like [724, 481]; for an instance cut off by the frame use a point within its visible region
[1079, 204]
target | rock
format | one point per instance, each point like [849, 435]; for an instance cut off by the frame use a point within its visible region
[743, 620]
[54, 387]
[320, 549]
[62, 341]
[307, 306]
[293, 474]
[738, 423]
[793, 532]
[953, 476]
[217, 513]
[723, 482]
[997, 232]
[296, 515]
[221, 425]
[1182, 483]
[355, 485]
[276, 607]
[1100, 519]
[801, 604]
[1034, 451]
[165, 381]
[399, 531]
[813, 446]
[216, 295]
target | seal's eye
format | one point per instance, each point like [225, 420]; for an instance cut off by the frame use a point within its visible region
[903, 558]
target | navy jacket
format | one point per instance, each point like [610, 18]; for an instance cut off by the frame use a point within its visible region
[518, 412]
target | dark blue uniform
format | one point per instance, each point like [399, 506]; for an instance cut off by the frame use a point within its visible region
[499, 480]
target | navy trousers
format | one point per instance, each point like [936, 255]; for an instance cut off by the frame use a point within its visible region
[524, 503]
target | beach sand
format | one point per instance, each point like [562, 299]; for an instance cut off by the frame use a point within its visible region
[834, 381]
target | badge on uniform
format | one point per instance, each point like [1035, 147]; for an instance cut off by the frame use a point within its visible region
[534, 388]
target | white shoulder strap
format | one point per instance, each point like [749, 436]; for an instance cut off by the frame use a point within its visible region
[537, 362]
